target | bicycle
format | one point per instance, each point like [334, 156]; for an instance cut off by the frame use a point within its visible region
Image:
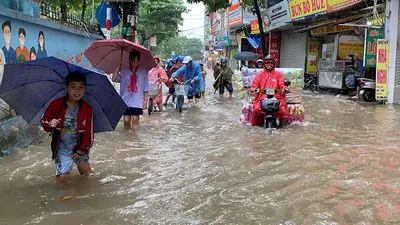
[154, 90]
[181, 90]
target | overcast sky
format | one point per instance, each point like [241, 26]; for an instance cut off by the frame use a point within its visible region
[193, 25]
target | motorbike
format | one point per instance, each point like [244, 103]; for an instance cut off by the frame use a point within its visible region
[270, 106]
[366, 89]
[310, 82]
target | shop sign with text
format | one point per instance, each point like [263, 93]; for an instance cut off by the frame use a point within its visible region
[278, 15]
[337, 5]
[300, 9]
[329, 29]
[382, 66]
[373, 34]
[255, 28]
[235, 15]
[313, 55]
[275, 45]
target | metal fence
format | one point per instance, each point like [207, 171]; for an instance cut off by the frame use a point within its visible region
[54, 13]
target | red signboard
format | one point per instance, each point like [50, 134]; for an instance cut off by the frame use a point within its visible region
[275, 45]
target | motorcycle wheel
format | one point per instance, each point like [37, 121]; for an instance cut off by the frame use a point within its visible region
[313, 87]
[368, 96]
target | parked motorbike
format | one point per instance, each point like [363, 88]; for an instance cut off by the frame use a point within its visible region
[366, 89]
[310, 82]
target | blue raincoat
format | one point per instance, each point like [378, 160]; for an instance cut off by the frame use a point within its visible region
[191, 73]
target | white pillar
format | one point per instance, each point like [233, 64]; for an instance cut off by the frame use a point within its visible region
[108, 23]
[392, 19]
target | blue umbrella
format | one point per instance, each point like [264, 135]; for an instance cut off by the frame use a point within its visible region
[30, 87]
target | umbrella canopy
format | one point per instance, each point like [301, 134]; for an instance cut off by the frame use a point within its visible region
[246, 56]
[30, 87]
[106, 54]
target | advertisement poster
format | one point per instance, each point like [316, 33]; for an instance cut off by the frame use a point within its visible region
[294, 75]
[337, 5]
[300, 9]
[313, 55]
[274, 48]
[382, 65]
[350, 45]
[373, 34]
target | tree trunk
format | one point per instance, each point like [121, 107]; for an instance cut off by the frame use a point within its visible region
[260, 25]
[84, 5]
[64, 11]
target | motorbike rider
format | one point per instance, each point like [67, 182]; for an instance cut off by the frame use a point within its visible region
[190, 71]
[224, 78]
[268, 78]
[170, 84]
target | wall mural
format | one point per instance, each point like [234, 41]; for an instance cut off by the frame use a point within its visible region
[22, 41]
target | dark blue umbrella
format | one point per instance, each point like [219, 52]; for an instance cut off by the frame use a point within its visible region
[246, 56]
[30, 87]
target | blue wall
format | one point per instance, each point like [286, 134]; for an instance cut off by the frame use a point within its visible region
[60, 41]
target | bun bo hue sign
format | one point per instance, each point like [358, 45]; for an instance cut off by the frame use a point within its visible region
[300, 9]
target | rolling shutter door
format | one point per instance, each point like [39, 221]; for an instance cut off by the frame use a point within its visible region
[293, 49]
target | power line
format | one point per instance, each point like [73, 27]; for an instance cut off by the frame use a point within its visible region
[192, 29]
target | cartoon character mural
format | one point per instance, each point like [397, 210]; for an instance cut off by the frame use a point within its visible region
[32, 54]
[2, 62]
[9, 52]
[41, 52]
[22, 51]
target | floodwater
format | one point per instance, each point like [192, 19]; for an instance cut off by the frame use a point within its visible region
[203, 167]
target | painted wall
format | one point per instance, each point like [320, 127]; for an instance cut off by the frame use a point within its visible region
[24, 38]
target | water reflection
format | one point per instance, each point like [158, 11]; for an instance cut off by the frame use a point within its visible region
[204, 167]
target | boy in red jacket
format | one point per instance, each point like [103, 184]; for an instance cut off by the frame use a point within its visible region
[70, 119]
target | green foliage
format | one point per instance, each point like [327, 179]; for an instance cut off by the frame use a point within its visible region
[215, 5]
[180, 46]
[160, 18]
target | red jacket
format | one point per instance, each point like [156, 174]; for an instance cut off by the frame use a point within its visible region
[56, 110]
[270, 79]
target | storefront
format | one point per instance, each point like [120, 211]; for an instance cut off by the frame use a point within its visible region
[292, 49]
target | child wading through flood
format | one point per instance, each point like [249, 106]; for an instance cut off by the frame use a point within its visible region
[70, 119]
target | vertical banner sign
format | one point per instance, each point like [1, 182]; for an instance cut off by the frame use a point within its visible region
[373, 34]
[275, 44]
[313, 54]
[382, 65]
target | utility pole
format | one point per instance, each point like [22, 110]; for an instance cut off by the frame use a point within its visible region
[261, 27]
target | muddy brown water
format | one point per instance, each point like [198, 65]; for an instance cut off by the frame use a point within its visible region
[203, 167]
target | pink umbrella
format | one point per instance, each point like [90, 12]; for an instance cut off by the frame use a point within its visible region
[106, 54]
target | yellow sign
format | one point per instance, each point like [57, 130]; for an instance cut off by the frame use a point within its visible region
[328, 29]
[382, 66]
[303, 8]
[350, 45]
[313, 55]
[255, 28]
[337, 5]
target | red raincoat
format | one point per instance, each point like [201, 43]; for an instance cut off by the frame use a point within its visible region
[268, 79]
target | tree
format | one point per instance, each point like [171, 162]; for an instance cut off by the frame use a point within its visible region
[180, 46]
[215, 5]
[72, 6]
[160, 18]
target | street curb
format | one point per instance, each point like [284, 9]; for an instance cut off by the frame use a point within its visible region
[15, 132]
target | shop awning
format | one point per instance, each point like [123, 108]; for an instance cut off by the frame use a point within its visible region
[335, 21]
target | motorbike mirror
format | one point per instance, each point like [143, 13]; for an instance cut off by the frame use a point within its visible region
[287, 83]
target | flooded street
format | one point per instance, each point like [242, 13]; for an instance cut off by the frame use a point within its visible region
[203, 167]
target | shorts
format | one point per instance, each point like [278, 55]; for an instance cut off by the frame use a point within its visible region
[65, 162]
[196, 96]
[171, 90]
[227, 85]
[132, 111]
